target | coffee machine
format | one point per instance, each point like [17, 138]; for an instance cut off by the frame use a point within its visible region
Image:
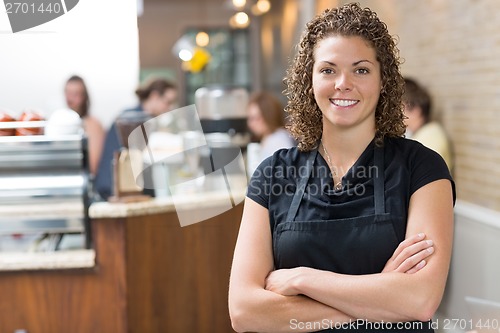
[223, 116]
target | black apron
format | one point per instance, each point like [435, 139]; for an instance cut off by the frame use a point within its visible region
[357, 245]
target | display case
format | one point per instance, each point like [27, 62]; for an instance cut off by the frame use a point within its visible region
[44, 186]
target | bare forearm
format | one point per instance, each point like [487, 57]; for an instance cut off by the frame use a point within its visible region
[389, 296]
[395, 296]
[265, 311]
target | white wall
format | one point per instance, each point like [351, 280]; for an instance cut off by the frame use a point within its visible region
[97, 40]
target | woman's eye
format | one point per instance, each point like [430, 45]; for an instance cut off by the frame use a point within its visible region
[362, 71]
[326, 71]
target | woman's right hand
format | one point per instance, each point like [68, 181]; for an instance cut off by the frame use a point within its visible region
[410, 255]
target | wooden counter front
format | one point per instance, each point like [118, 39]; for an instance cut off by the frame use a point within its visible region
[151, 275]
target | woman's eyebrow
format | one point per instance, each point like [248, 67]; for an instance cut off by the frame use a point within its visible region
[328, 62]
[354, 63]
[360, 61]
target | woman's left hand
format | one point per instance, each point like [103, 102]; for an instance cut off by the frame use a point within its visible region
[284, 281]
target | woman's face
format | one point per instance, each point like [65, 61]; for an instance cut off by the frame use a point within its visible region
[256, 122]
[159, 104]
[346, 81]
[75, 95]
[414, 118]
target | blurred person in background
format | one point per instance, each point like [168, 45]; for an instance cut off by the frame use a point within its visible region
[418, 110]
[78, 100]
[266, 121]
[156, 97]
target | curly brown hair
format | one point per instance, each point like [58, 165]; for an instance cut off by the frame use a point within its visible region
[305, 117]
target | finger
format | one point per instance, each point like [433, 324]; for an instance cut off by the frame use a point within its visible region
[408, 242]
[268, 286]
[417, 267]
[412, 250]
[267, 283]
[415, 259]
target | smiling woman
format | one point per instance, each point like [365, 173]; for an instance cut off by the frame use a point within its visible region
[365, 248]
[346, 91]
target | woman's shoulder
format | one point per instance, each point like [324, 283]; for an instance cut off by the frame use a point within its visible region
[408, 148]
[423, 164]
[92, 124]
[279, 168]
[289, 156]
[275, 141]
[92, 120]
[281, 159]
[281, 133]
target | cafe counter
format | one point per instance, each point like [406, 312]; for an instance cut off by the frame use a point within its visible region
[144, 272]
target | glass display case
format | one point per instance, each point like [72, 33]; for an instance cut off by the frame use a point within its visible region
[44, 191]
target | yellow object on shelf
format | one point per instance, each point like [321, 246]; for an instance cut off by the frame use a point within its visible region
[200, 59]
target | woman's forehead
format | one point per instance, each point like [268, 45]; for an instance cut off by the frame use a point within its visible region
[336, 46]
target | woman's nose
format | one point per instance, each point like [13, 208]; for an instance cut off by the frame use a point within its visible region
[343, 82]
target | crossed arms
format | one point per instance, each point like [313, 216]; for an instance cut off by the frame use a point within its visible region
[409, 288]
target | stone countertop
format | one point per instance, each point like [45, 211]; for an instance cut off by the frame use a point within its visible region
[210, 203]
[216, 192]
[45, 210]
[19, 261]
[200, 200]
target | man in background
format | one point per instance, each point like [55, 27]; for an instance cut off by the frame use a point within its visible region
[418, 107]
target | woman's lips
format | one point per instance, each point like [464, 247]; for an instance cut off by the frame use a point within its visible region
[343, 102]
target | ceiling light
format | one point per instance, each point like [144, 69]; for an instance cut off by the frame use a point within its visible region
[184, 48]
[185, 55]
[241, 18]
[202, 39]
[239, 3]
[263, 6]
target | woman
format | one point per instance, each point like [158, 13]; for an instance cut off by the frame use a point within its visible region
[156, 96]
[266, 122]
[78, 100]
[355, 225]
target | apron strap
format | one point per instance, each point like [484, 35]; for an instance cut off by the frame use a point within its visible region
[379, 191]
[301, 188]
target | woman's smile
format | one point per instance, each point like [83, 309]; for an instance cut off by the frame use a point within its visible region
[344, 103]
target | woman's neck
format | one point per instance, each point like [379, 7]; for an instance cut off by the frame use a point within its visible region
[345, 146]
